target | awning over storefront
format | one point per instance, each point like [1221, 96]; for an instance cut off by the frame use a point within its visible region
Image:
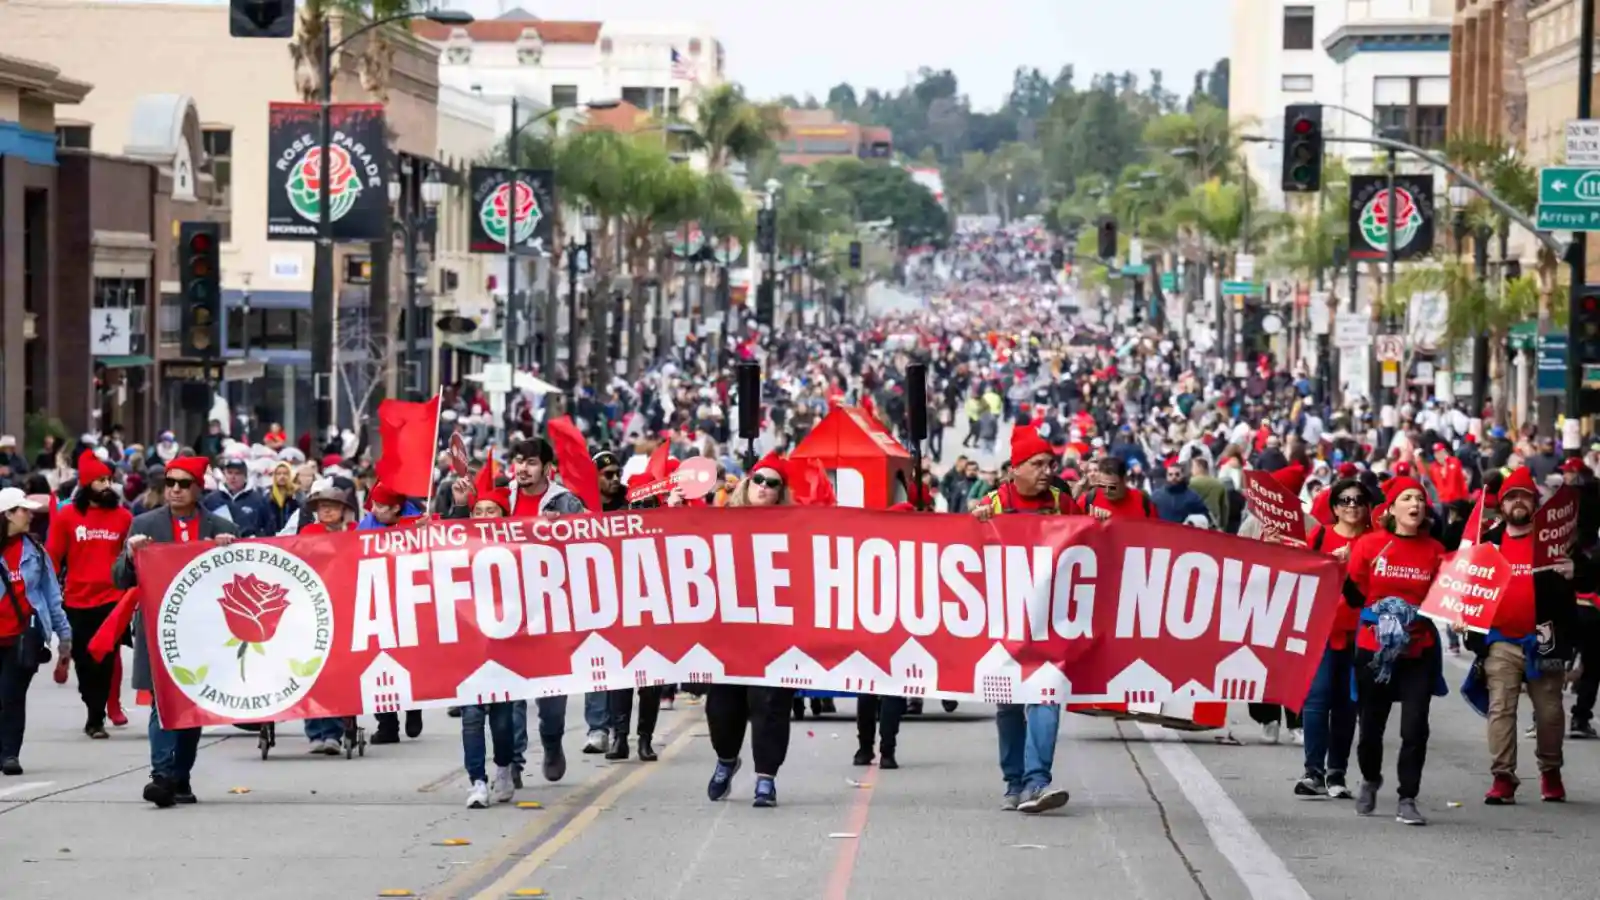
[123, 362]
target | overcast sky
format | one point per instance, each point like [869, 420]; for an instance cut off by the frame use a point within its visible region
[795, 46]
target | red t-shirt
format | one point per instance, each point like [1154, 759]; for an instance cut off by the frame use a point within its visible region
[320, 528]
[528, 503]
[1133, 505]
[1345, 620]
[87, 544]
[1517, 615]
[10, 625]
[1386, 565]
[186, 530]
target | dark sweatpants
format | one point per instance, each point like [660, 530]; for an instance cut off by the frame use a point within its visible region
[1411, 686]
[730, 706]
[619, 705]
[94, 677]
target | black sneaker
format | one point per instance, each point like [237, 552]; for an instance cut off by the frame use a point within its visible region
[1311, 785]
[647, 753]
[863, 757]
[414, 723]
[1581, 731]
[555, 762]
[159, 791]
[886, 760]
[618, 749]
[183, 794]
[385, 736]
[10, 766]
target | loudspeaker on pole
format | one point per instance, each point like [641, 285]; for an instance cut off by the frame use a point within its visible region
[917, 400]
[749, 386]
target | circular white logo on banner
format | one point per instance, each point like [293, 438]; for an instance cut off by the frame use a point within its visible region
[245, 630]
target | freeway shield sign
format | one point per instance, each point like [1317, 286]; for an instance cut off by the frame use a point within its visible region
[1565, 185]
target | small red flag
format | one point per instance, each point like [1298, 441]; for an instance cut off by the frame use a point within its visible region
[409, 432]
[483, 484]
[657, 467]
[578, 473]
[809, 484]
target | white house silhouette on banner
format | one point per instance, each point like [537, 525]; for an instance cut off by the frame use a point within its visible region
[1046, 685]
[1242, 676]
[915, 669]
[492, 683]
[998, 676]
[701, 666]
[385, 685]
[857, 674]
[649, 668]
[1139, 683]
[795, 669]
[597, 662]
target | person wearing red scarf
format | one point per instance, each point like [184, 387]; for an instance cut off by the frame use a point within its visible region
[86, 537]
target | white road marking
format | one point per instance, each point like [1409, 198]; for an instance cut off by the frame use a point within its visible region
[1264, 874]
[24, 787]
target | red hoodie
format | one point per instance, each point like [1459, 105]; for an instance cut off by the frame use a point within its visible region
[1449, 481]
[87, 544]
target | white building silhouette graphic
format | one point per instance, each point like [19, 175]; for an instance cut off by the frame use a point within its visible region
[1193, 690]
[860, 675]
[915, 669]
[596, 663]
[492, 683]
[1241, 676]
[1139, 683]
[385, 685]
[649, 668]
[795, 669]
[997, 677]
[701, 666]
[1047, 684]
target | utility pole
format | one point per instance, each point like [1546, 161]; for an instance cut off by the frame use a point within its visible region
[1578, 253]
[513, 351]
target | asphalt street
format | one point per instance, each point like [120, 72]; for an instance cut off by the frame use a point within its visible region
[1154, 814]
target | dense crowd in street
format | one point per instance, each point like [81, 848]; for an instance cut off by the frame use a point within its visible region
[1054, 414]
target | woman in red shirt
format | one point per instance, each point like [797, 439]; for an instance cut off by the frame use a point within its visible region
[1397, 561]
[1329, 715]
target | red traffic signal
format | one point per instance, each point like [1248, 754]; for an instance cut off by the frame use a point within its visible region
[200, 242]
[1304, 126]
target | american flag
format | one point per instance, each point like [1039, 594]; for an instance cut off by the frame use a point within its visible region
[682, 69]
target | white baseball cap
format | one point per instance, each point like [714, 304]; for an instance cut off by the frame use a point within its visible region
[14, 498]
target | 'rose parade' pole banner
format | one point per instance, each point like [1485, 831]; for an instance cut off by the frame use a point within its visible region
[358, 198]
[512, 211]
[1022, 609]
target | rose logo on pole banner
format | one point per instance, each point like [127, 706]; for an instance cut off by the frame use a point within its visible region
[265, 602]
[304, 184]
[252, 609]
[1375, 219]
[495, 213]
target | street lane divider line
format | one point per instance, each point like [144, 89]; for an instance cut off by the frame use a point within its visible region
[144, 767]
[24, 787]
[581, 820]
[549, 822]
[1265, 875]
[844, 859]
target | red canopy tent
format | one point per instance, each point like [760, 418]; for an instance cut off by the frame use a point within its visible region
[868, 467]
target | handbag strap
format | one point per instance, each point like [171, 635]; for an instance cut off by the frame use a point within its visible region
[11, 593]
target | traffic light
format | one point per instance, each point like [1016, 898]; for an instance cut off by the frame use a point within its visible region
[1058, 259]
[1302, 148]
[201, 320]
[1108, 238]
[1588, 330]
[855, 254]
[764, 303]
[766, 231]
[261, 18]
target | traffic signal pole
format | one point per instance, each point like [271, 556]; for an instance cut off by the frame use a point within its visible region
[1577, 254]
[324, 322]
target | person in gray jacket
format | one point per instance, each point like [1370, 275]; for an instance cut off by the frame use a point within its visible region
[172, 751]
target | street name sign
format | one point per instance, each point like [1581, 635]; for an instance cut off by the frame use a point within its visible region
[1569, 199]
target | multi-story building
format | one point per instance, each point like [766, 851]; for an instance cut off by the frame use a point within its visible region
[655, 66]
[464, 283]
[130, 51]
[1550, 75]
[813, 135]
[1375, 65]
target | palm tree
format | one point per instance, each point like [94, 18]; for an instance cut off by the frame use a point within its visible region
[730, 127]
[377, 52]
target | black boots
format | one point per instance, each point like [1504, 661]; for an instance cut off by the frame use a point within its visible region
[647, 753]
[886, 758]
[619, 747]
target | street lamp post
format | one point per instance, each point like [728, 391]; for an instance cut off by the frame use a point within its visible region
[323, 311]
[411, 223]
[574, 267]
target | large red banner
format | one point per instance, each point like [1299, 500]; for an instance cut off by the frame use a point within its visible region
[1051, 609]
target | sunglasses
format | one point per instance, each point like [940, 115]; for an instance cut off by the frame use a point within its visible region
[610, 473]
[1352, 500]
[766, 481]
[180, 484]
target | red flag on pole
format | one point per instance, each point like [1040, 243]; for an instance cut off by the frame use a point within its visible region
[483, 484]
[409, 432]
[578, 473]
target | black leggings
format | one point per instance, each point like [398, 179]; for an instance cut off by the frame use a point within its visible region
[730, 706]
[1411, 686]
[14, 681]
[94, 677]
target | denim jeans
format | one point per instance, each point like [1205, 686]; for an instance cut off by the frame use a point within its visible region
[1027, 744]
[597, 710]
[172, 753]
[1329, 715]
[519, 734]
[499, 717]
[325, 729]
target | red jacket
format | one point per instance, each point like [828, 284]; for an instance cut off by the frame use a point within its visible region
[1449, 481]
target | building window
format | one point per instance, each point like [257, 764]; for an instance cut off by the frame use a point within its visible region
[218, 146]
[272, 329]
[829, 147]
[640, 97]
[672, 103]
[74, 137]
[564, 96]
[1414, 109]
[1299, 27]
[169, 320]
[1297, 84]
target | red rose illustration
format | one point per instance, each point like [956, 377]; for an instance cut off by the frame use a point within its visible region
[311, 169]
[252, 608]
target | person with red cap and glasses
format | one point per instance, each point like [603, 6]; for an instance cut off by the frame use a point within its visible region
[730, 708]
[181, 521]
[86, 537]
[1528, 646]
[1389, 573]
[1027, 732]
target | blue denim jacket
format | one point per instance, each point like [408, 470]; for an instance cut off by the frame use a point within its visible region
[44, 592]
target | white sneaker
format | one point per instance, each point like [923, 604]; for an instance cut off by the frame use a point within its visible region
[478, 797]
[1297, 737]
[1269, 733]
[504, 789]
[598, 739]
[318, 748]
